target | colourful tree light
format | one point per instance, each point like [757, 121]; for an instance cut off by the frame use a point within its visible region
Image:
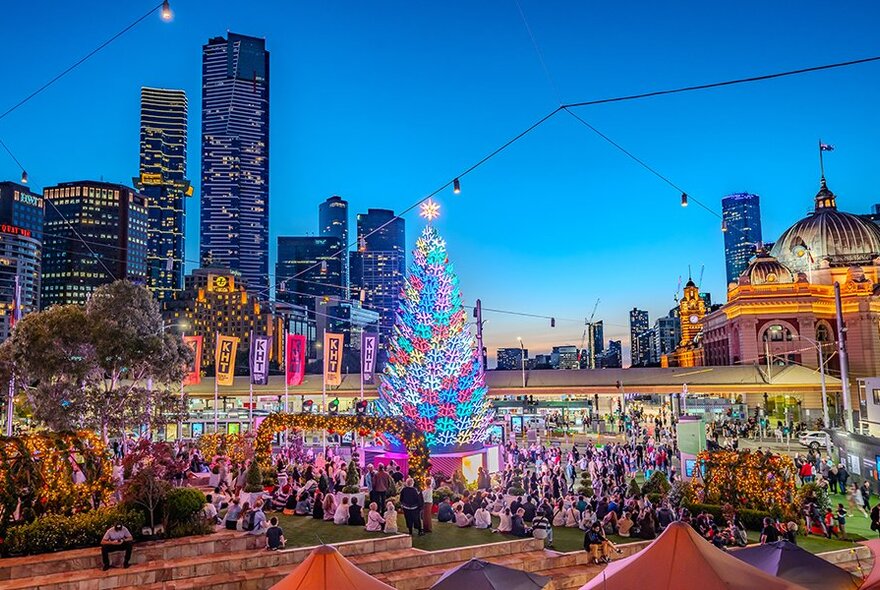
[434, 378]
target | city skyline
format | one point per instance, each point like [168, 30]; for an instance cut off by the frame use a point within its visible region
[759, 142]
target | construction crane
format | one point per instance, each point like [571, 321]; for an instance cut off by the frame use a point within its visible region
[588, 322]
[700, 282]
[677, 290]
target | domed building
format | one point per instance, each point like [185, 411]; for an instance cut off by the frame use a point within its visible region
[782, 307]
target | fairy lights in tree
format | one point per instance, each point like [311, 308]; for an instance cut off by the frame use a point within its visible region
[433, 377]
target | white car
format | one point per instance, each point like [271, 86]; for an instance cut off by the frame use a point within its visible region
[814, 439]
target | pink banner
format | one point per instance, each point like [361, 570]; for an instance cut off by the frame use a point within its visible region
[295, 354]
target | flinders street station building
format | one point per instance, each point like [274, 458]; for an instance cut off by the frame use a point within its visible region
[781, 310]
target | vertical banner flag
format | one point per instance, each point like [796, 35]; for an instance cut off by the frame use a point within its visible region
[259, 359]
[332, 358]
[194, 370]
[368, 356]
[295, 354]
[224, 359]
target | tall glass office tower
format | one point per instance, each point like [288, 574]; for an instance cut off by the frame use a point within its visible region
[742, 215]
[235, 157]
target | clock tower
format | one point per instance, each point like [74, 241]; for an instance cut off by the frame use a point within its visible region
[691, 309]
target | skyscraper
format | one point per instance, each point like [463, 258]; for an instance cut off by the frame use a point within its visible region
[512, 359]
[21, 231]
[741, 213]
[95, 233]
[638, 323]
[379, 264]
[162, 179]
[333, 222]
[307, 269]
[235, 157]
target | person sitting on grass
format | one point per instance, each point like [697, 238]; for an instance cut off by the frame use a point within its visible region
[279, 499]
[341, 514]
[462, 519]
[318, 508]
[541, 529]
[303, 505]
[232, 514]
[482, 517]
[274, 536]
[518, 525]
[390, 517]
[116, 538]
[209, 510]
[625, 524]
[329, 506]
[444, 511]
[374, 519]
[257, 519]
[355, 514]
[505, 525]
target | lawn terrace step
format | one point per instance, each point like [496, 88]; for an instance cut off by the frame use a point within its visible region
[208, 564]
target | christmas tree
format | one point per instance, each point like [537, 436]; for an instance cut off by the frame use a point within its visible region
[434, 376]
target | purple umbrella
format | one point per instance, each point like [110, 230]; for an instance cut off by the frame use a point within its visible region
[789, 562]
[482, 575]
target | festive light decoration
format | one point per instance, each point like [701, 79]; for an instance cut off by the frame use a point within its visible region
[434, 377]
[759, 481]
[38, 470]
[412, 438]
[430, 210]
[220, 444]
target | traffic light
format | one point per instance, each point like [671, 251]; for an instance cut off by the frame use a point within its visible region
[308, 406]
[333, 407]
[360, 408]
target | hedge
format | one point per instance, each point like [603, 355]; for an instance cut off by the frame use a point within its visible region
[183, 507]
[751, 519]
[54, 532]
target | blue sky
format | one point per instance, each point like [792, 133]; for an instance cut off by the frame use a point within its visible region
[381, 102]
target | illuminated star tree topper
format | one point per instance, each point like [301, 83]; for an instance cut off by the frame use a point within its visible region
[434, 376]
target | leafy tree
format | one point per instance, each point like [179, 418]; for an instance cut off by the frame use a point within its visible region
[148, 491]
[104, 365]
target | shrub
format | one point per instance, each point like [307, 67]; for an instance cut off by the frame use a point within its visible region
[352, 479]
[814, 493]
[633, 489]
[56, 533]
[443, 492]
[181, 505]
[253, 479]
[516, 485]
[681, 492]
[270, 477]
[751, 519]
[656, 484]
[585, 486]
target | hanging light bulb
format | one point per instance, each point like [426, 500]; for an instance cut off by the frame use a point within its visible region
[724, 225]
[684, 199]
[456, 186]
[166, 11]
[24, 177]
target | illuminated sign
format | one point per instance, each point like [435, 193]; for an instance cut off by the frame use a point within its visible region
[15, 230]
[28, 199]
[221, 283]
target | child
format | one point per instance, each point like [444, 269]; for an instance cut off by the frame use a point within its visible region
[390, 518]
[274, 536]
[841, 521]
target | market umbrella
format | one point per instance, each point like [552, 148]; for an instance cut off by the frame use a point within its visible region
[482, 575]
[681, 558]
[790, 562]
[326, 569]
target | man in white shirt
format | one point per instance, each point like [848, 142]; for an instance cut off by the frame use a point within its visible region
[117, 538]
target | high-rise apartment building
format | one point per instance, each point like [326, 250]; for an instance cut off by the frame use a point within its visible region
[564, 357]
[21, 230]
[162, 179]
[95, 233]
[741, 214]
[333, 222]
[638, 323]
[235, 157]
[308, 269]
[378, 265]
[611, 357]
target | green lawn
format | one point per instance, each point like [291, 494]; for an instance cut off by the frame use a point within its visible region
[305, 531]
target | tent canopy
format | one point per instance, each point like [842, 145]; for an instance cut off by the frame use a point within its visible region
[482, 575]
[681, 558]
[326, 569]
[790, 562]
[872, 581]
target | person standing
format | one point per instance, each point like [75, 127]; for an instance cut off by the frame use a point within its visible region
[116, 538]
[411, 501]
[428, 504]
[381, 483]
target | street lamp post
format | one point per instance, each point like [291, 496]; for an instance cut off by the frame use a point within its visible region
[825, 418]
[522, 355]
